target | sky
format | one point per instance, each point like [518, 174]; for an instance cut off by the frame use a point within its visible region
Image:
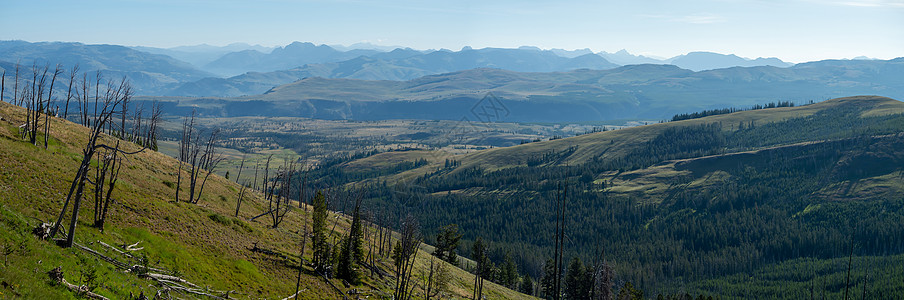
[792, 30]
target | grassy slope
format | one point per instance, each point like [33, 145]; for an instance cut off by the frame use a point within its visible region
[618, 143]
[195, 240]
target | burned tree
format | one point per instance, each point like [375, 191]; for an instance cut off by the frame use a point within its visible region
[209, 160]
[47, 110]
[188, 125]
[483, 269]
[113, 98]
[73, 73]
[107, 173]
[201, 157]
[403, 255]
[279, 203]
[238, 202]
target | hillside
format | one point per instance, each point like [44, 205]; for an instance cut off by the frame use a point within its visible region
[201, 243]
[396, 65]
[281, 58]
[150, 74]
[715, 205]
[645, 92]
[699, 61]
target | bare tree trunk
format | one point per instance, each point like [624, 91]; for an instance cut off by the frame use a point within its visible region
[184, 148]
[72, 74]
[109, 164]
[238, 202]
[16, 85]
[56, 72]
[96, 94]
[266, 173]
[209, 161]
[83, 101]
[112, 98]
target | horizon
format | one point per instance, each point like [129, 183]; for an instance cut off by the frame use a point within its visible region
[393, 47]
[793, 31]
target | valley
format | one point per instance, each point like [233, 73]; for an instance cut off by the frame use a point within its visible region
[310, 171]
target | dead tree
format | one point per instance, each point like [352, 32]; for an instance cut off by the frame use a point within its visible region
[107, 174]
[16, 86]
[266, 174]
[238, 202]
[134, 135]
[2, 85]
[150, 139]
[209, 161]
[561, 195]
[188, 125]
[279, 204]
[436, 282]
[601, 278]
[33, 106]
[47, 111]
[404, 255]
[83, 100]
[73, 73]
[112, 99]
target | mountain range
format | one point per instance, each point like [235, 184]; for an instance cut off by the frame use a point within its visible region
[150, 73]
[650, 92]
[204, 70]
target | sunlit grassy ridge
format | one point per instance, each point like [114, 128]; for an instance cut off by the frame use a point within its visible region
[202, 243]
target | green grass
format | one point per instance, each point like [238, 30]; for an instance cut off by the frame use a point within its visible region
[202, 243]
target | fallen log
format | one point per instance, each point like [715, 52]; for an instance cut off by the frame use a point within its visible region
[57, 275]
[159, 277]
[295, 294]
[111, 260]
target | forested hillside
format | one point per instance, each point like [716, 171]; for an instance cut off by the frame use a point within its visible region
[715, 205]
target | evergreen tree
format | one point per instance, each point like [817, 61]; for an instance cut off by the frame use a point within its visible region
[446, 244]
[508, 272]
[548, 281]
[352, 250]
[527, 285]
[322, 255]
[576, 283]
[627, 292]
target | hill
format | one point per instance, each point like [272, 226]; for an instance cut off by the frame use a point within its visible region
[282, 58]
[399, 64]
[700, 61]
[201, 55]
[718, 205]
[201, 243]
[150, 74]
[651, 92]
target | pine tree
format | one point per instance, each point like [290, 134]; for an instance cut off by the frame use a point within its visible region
[509, 276]
[527, 285]
[548, 281]
[576, 281]
[352, 250]
[321, 258]
[446, 243]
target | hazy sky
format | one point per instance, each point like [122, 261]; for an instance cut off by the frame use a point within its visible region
[793, 30]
